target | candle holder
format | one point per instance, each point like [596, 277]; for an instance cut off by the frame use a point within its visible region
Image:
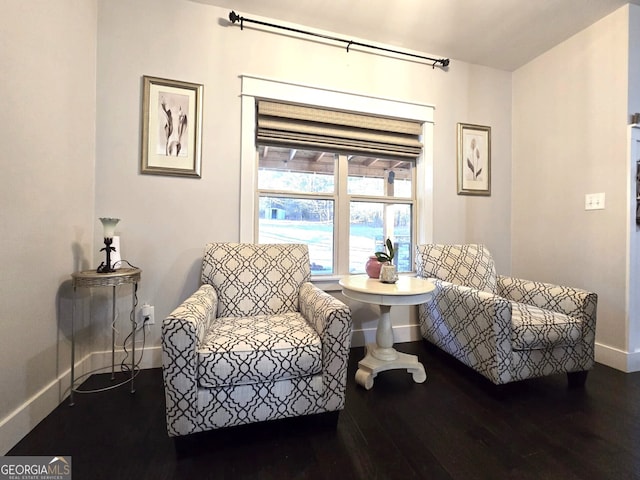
[109, 225]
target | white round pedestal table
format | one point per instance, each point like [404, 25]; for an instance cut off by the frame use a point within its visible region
[381, 356]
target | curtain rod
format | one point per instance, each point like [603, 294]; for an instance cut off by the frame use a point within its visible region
[234, 17]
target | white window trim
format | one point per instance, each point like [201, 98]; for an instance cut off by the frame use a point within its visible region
[263, 88]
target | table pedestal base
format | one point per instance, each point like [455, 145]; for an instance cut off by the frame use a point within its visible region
[371, 365]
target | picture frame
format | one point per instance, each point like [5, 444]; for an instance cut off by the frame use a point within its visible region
[474, 159]
[171, 127]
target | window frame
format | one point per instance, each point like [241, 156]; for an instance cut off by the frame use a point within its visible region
[261, 88]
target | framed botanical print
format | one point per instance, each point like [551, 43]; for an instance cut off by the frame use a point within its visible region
[171, 127]
[474, 159]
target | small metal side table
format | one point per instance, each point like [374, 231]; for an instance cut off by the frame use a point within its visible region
[89, 278]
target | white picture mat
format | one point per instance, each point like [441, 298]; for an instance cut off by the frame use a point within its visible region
[156, 123]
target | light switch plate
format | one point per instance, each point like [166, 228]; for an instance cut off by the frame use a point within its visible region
[594, 201]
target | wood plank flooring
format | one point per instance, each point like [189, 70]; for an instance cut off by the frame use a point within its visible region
[456, 425]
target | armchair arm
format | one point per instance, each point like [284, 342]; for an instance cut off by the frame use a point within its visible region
[332, 320]
[570, 301]
[472, 325]
[182, 332]
[566, 300]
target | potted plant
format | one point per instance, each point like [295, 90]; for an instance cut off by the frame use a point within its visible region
[388, 271]
[388, 255]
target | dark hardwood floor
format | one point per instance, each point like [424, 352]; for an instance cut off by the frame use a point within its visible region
[456, 425]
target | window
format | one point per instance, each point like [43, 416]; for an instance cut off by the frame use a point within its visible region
[348, 188]
[297, 199]
[334, 201]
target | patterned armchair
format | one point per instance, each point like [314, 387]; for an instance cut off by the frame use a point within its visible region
[257, 341]
[505, 328]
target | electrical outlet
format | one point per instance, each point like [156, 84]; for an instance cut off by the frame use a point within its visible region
[146, 313]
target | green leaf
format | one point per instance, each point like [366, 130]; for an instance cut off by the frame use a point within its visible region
[390, 249]
[388, 255]
[382, 257]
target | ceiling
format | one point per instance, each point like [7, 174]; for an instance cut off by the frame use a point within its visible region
[503, 34]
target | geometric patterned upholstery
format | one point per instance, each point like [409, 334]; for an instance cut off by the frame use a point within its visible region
[521, 329]
[257, 341]
[241, 350]
[535, 328]
[255, 279]
[470, 265]
[258, 402]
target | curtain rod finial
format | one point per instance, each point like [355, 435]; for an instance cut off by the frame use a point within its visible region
[233, 16]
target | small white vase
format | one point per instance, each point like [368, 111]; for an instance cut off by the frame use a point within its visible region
[388, 274]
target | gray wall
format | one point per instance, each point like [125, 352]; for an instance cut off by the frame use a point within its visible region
[570, 116]
[48, 82]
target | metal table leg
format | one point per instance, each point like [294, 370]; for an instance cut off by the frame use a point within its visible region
[134, 326]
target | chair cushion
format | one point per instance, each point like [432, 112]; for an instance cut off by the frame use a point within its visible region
[538, 329]
[255, 280]
[244, 350]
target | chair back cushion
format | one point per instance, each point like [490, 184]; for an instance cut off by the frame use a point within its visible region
[255, 279]
[468, 265]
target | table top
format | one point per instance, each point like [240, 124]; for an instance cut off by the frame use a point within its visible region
[406, 291]
[91, 278]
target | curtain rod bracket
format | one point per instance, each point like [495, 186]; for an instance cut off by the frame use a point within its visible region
[234, 17]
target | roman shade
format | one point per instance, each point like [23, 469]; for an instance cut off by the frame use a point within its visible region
[323, 129]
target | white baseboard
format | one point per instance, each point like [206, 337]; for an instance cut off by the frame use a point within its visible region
[619, 359]
[24, 418]
[151, 358]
